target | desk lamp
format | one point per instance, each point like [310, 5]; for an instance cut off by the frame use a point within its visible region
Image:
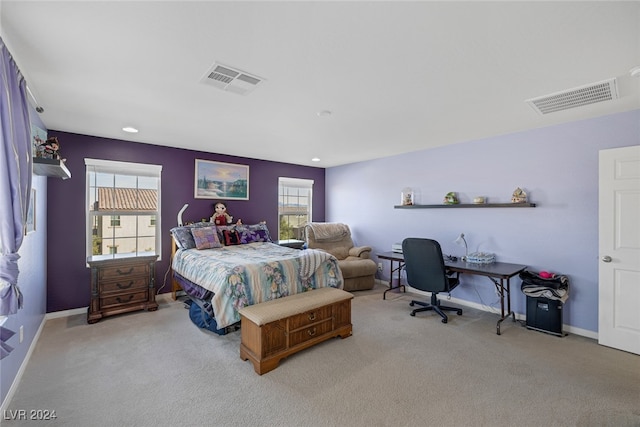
[460, 240]
[184, 208]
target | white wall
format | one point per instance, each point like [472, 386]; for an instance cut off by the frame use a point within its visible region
[557, 166]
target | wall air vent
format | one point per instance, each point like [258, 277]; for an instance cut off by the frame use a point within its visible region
[231, 79]
[605, 90]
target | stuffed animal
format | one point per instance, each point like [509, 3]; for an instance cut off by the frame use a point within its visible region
[220, 216]
[51, 148]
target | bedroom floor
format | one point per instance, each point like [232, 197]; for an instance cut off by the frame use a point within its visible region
[158, 369]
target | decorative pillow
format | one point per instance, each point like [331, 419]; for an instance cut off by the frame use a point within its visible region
[231, 237]
[222, 228]
[184, 238]
[254, 233]
[206, 237]
[249, 236]
[248, 232]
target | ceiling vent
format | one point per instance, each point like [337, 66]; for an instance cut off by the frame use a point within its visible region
[231, 79]
[605, 90]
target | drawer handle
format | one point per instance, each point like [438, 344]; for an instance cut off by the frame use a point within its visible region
[125, 272]
[124, 286]
[121, 301]
[312, 316]
[311, 332]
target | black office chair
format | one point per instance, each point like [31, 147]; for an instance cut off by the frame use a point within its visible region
[426, 271]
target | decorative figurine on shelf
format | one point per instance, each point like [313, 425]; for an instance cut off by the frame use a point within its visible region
[38, 146]
[519, 196]
[221, 216]
[451, 199]
[50, 148]
[407, 197]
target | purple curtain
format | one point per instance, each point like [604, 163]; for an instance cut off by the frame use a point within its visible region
[15, 182]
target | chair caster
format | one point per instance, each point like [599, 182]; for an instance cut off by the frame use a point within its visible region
[444, 320]
[459, 312]
[412, 314]
[411, 304]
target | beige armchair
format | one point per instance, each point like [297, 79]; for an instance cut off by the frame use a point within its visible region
[358, 270]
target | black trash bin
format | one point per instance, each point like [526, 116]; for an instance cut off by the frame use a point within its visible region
[545, 301]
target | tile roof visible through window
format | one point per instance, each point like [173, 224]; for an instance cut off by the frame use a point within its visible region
[122, 199]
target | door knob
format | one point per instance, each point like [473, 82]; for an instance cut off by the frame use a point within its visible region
[606, 258]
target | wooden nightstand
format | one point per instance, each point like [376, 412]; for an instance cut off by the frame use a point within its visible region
[291, 243]
[121, 285]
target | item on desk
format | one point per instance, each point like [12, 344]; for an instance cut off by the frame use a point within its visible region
[451, 198]
[519, 196]
[481, 258]
[546, 275]
[479, 200]
[462, 241]
[397, 248]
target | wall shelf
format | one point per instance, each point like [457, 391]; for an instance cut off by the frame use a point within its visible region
[468, 205]
[50, 167]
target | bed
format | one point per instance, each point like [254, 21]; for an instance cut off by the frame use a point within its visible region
[230, 267]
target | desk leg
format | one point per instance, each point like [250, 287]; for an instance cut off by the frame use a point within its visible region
[501, 290]
[400, 285]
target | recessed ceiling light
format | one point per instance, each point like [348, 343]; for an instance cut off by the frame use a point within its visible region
[315, 159]
[324, 113]
[635, 72]
[130, 129]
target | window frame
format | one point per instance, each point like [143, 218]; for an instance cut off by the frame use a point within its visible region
[301, 183]
[137, 170]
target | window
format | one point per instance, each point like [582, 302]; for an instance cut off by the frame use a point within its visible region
[294, 207]
[123, 209]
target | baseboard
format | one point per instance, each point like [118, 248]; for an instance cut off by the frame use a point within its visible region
[66, 313]
[166, 298]
[519, 316]
[23, 366]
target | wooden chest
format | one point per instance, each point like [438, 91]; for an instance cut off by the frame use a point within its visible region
[273, 330]
[121, 285]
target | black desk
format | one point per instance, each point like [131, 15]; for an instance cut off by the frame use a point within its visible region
[498, 272]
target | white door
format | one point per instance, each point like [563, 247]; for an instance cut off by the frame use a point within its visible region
[619, 251]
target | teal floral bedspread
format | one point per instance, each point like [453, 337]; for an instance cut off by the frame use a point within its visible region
[252, 273]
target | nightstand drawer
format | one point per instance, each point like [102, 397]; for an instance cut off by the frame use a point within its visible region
[115, 272]
[125, 284]
[117, 300]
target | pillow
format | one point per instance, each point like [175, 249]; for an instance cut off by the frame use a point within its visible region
[254, 233]
[183, 237]
[222, 228]
[231, 237]
[249, 236]
[206, 237]
[248, 232]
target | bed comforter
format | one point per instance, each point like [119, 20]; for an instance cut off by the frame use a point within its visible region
[252, 273]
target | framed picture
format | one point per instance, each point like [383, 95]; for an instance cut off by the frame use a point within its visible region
[215, 180]
[30, 225]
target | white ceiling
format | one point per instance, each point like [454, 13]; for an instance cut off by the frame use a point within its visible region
[397, 76]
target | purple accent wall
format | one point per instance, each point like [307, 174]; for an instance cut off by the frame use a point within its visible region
[68, 278]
